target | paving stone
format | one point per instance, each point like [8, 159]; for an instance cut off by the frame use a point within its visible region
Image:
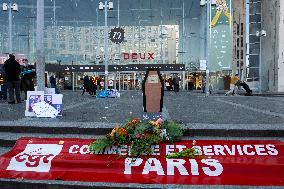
[185, 107]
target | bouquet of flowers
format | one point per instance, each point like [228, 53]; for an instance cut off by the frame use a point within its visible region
[139, 135]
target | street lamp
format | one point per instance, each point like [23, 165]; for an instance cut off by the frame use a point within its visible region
[208, 14]
[9, 8]
[105, 6]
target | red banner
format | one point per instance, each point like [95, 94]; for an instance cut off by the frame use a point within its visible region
[223, 162]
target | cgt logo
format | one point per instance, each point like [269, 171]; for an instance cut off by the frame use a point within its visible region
[35, 157]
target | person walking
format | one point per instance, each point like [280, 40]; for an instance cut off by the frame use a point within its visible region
[12, 71]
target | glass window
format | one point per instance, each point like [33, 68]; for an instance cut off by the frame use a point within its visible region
[156, 30]
[62, 46]
[136, 28]
[238, 42]
[238, 29]
[142, 29]
[143, 36]
[238, 54]
[242, 28]
[71, 47]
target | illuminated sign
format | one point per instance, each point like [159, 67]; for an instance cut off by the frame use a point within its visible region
[136, 56]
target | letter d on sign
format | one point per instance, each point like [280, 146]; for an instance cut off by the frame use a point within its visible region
[130, 162]
[126, 56]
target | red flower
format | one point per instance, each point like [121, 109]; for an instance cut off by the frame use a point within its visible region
[135, 120]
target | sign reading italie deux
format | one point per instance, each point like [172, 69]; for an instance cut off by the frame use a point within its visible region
[222, 162]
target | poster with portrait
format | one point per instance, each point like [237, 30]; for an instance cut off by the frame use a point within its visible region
[54, 100]
[32, 98]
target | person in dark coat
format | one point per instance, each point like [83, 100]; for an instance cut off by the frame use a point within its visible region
[12, 71]
[86, 84]
[171, 84]
[176, 81]
[28, 74]
[52, 82]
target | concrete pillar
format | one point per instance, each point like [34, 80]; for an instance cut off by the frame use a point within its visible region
[272, 45]
[280, 68]
[40, 60]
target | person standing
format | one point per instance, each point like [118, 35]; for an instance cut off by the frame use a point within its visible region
[168, 85]
[52, 82]
[28, 74]
[12, 71]
[93, 86]
[3, 87]
[86, 84]
[176, 83]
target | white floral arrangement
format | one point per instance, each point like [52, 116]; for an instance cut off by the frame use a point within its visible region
[43, 109]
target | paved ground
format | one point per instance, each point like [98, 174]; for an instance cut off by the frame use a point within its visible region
[193, 109]
[183, 106]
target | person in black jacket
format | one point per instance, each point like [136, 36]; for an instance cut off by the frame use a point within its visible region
[52, 81]
[12, 71]
[86, 84]
[28, 74]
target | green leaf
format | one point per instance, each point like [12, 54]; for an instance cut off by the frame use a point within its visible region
[187, 153]
[100, 144]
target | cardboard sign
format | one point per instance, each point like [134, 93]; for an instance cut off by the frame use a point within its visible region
[54, 100]
[32, 98]
[223, 162]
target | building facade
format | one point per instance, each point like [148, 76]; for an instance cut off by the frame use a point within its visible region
[239, 38]
[84, 45]
[272, 46]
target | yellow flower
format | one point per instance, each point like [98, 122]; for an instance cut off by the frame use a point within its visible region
[122, 132]
[114, 130]
[152, 123]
